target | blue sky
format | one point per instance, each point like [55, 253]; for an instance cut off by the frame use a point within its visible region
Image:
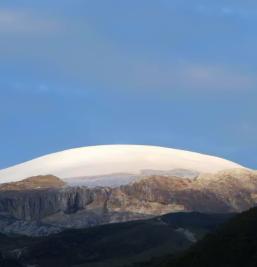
[171, 73]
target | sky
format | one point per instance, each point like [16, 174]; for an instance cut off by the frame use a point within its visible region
[173, 73]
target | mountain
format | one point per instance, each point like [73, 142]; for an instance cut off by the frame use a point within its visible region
[104, 161]
[41, 211]
[113, 245]
[127, 183]
[36, 182]
[233, 245]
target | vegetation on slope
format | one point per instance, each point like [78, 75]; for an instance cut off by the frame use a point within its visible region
[113, 245]
[232, 245]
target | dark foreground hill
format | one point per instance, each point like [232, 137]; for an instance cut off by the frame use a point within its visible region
[233, 245]
[112, 245]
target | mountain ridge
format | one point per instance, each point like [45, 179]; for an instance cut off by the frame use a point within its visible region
[78, 207]
[111, 159]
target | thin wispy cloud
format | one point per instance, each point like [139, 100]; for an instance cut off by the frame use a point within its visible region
[213, 77]
[189, 77]
[25, 21]
[227, 11]
[232, 10]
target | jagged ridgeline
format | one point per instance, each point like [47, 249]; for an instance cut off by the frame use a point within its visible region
[104, 184]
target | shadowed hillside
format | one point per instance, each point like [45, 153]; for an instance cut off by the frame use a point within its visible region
[233, 245]
[112, 245]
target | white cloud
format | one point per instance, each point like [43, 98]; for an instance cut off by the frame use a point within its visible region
[193, 77]
[12, 20]
[217, 77]
[91, 58]
[240, 12]
[227, 11]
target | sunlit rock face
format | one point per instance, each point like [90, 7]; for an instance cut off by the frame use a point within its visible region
[98, 185]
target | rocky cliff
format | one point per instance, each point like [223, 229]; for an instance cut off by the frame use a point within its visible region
[74, 207]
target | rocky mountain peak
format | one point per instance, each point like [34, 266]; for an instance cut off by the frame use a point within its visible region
[34, 183]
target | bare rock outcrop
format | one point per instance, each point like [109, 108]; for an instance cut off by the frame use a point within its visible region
[65, 207]
[35, 182]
